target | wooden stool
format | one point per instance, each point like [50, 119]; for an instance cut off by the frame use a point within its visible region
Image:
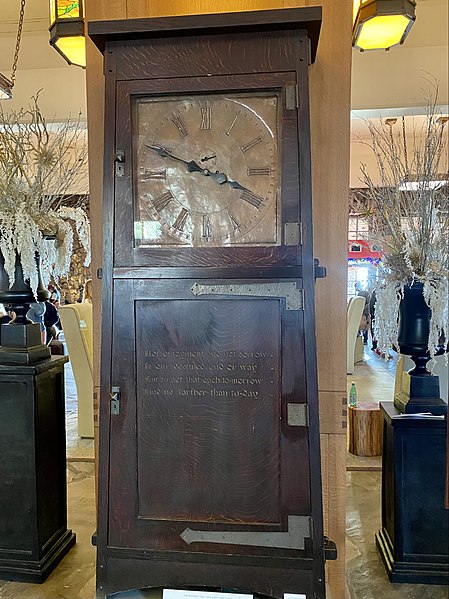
[365, 429]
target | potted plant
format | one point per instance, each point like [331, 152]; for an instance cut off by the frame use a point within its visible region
[42, 166]
[408, 217]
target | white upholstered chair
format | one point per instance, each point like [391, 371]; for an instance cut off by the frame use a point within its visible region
[76, 322]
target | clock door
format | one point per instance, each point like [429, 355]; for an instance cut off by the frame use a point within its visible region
[209, 444]
[210, 448]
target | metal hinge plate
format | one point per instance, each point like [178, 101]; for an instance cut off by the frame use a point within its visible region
[293, 234]
[291, 97]
[294, 296]
[120, 163]
[299, 528]
[115, 401]
[297, 414]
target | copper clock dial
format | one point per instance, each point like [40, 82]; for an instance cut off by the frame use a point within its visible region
[207, 170]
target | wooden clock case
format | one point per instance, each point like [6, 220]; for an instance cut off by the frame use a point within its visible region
[208, 478]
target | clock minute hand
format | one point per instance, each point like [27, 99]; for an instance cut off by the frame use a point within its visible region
[192, 166]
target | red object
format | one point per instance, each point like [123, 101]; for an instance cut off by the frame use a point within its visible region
[365, 250]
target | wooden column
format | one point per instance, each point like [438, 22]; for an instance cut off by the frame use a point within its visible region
[330, 80]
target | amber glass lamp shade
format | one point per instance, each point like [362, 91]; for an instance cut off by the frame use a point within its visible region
[381, 24]
[67, 30]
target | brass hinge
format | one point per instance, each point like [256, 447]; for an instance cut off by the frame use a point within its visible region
[291, 97]
[119, 163]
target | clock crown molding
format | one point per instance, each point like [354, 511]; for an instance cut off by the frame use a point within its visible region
[305, 18]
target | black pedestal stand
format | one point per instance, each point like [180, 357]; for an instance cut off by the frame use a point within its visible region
[33, 496]
[424, 392]
[414, 538]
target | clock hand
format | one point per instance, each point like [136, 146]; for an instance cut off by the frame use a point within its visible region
[192, 166]
[221, 178]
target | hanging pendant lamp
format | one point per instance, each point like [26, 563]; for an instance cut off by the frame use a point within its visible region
[381, 24]
[67, 30]
[6, 84]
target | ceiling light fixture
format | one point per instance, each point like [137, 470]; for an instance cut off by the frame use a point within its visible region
[381, 24]
[6, 84]
[67, 30]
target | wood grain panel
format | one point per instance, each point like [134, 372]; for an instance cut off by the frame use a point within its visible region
[333, 412]
[330, 105]
[336, 512]
[95, 10]
[136, 9]
[324, 446]
[208, 416]
[330, 113]
[157, 8]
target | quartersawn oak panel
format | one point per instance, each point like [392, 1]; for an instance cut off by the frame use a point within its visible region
[208, 410]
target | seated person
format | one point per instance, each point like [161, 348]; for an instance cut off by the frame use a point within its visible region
[55, 295]
[51, 321]
[36, 314]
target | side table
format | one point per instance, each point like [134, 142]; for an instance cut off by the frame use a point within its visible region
[414, 538]
[365, 424]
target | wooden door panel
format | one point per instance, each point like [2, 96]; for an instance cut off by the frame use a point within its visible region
[207, 410]
[204, 420]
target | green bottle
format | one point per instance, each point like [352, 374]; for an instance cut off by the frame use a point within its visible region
[353, 395]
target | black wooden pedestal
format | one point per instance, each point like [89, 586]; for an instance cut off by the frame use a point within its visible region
[414, 538]
[33, 497]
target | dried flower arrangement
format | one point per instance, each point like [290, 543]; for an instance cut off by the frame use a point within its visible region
[40, 166]
[408, 216]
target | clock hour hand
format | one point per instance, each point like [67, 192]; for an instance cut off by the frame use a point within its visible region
[192, 166]
[221, 178]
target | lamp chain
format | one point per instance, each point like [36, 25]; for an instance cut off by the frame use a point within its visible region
[19, 36]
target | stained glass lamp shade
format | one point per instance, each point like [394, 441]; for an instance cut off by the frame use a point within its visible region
[67, 30]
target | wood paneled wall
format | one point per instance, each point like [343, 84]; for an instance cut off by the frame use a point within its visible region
[330, 112]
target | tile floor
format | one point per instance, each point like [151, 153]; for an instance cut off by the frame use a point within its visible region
[74, 578]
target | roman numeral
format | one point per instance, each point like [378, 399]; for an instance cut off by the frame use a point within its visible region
[234, 221]
[177, 120]
[163, 200]
[251, 144]
[206, 227]
[228, 132]
[206, 118]
[262, 170]
[155, 175]
[181, 220]
[251, 198]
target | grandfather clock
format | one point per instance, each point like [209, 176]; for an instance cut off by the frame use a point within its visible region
[209, 439]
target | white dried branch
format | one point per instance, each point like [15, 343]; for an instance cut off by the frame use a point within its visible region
[40, 167]
[411, 226]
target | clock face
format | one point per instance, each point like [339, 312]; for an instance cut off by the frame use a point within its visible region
[207, 170]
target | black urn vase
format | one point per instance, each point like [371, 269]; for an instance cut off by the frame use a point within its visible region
[20, 341]
[413, 339]
[414, 327]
